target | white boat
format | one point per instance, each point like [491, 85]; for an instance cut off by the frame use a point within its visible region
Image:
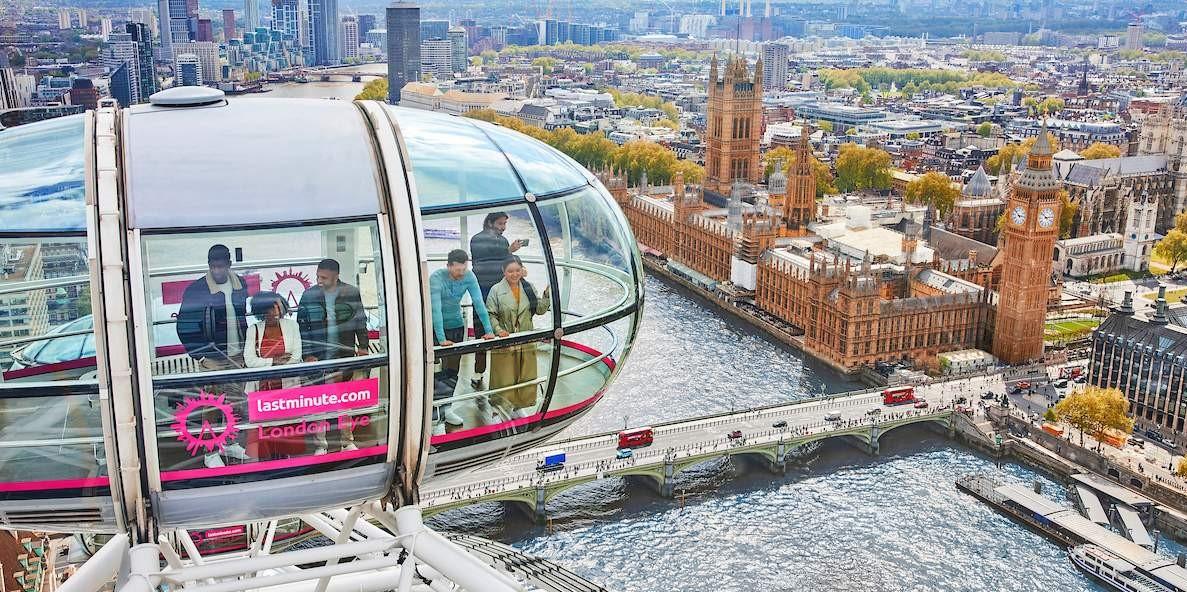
[1112, 570]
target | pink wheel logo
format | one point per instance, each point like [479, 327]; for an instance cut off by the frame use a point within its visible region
[208, 438]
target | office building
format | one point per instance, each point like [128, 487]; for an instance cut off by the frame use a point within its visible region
[205, 30]
[229, 24]
[324, 29]
[83, 92]
[377, 38]
[366, 23]
[350, 38]
[436, 57]
[176, 25]
[120, 85]
[16, 90]
[774, 60]
[498, 35]
[1146, 359]
[189, 70]
[403, 47]
[459, 49]
[146, 16]
[123, 51]
[433, 29]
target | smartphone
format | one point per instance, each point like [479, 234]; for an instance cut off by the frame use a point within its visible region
[523, 242]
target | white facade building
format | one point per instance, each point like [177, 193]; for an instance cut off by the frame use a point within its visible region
[1139, 232]
[207, 53]
[1090, 255]
[350, 38]
[436, 57]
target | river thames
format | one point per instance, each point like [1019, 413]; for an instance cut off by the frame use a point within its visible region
[839, 520]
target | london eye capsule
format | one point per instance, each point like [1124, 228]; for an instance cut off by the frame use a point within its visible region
[218, 312]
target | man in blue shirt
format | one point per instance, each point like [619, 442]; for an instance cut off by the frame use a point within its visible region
[446, 289]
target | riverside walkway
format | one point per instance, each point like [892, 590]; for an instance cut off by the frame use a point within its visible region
[682, 444]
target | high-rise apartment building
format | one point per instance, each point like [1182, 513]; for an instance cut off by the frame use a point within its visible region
[1027, 241]
[251, 15]
[146, 16]
[104, 27]
[350, 38]
[498, 34]
[176, 25]
[64, 19]
[1134, 36]
[207, 54]
[286, 18]
[403, 47]
[123, 52]
[366, 23]
[229, 24]
[734, 125]
[436, 57]
[189, 70]
[16, 90]
[774, 60]
[145, 71]
[459, 49]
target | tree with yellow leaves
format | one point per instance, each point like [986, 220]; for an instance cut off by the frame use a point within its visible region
[824, 175]
[1100, 150]
[1094, 410]
[861, 168]
[934, 189]
[1003, 161]
[376, 90]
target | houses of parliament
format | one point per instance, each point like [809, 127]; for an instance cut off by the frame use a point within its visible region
[858, 280]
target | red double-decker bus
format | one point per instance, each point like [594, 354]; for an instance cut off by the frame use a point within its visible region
[635, 437]
[898, 395]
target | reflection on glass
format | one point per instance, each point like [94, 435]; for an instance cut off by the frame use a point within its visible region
[438, 143]
[213, 430]
[41, 176]
[59, 438]
[588, 362]
[46, 332]
[461, 411]
[543, 169]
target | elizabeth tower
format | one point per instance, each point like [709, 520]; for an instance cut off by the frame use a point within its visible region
[1029, 234]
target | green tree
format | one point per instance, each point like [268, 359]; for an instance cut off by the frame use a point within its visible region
[913, 135]
[861, 168]
[1094, 410]
[826, 126]
[1100, 150]
[851, 131]
[376, 90]
[1050, 416]
[985, 130]
[934, 189]
[1067, 214]
[545, 63]
[1173, 248]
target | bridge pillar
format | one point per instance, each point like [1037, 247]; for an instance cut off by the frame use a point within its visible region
[779, 465]
[666, 485]
[875, 433]
[541, 505]
[952, 427]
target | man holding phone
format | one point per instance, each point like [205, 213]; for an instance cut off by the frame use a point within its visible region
[488, 250]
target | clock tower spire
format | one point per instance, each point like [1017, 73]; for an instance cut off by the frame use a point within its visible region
[1028, 236]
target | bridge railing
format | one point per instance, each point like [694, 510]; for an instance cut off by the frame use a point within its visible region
[646, 456]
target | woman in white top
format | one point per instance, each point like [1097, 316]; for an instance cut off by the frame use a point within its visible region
[274, 341]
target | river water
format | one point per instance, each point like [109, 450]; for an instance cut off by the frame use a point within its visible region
[837, 521]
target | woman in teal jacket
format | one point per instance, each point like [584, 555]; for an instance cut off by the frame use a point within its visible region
[512, 303]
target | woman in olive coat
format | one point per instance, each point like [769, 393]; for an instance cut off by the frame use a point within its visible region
[512, 303]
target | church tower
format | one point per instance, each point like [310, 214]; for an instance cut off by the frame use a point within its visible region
[1029, 235]
[733, 125]
[799, 207]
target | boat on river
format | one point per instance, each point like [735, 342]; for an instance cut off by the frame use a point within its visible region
[1113, 571]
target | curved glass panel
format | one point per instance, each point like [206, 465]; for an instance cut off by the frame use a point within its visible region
[275, 359]
[589, 362]
[543, 169]
[453, 161]
[41, 176]
[593, 258]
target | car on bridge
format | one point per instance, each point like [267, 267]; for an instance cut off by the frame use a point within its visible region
[780, 425]
[624, 453]
[921, 404]
[874, 411]
[734, 435]
[833, 416]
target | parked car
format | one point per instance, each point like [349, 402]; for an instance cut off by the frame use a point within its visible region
[779, 425]
[624, 453]
[921, 404]
[734, 435]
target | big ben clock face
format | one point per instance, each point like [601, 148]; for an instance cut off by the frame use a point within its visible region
[1047, 218]
[1018, 215]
